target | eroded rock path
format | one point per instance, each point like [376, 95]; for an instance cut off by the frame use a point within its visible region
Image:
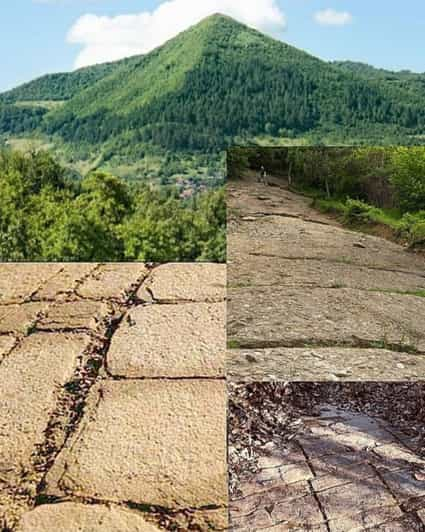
[312, 300]
[112, 397]
[344, 471]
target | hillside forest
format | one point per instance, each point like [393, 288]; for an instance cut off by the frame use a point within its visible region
[374, 189]
[48, 215]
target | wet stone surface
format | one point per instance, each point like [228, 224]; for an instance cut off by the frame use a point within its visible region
[115, 403]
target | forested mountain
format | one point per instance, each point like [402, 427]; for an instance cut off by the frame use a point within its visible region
[214, 84]
[58, 87]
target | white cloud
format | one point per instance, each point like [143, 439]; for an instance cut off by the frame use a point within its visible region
[110, 38]
[330, 17]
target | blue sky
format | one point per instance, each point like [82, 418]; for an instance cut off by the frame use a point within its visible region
[40, 36]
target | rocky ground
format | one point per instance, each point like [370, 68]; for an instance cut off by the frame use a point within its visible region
[343, 470]
[112, 398]
[312, 300]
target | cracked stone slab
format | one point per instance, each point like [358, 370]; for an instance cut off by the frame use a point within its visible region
[308, 316]
[31, 377]
[314, 273]
[362, 479]
[20, 318]
[149, 442]
[18, 281]
[404, 485]
[187, 340]
[76, 314]
[358, 504]
[288, 238]
[112, 281]
[186, 282]
[305, 515]
[75, 517]
[65, 280]
[323, 364]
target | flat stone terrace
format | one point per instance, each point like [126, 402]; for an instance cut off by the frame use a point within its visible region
[112, 397]
[344, 472]
[312, 300]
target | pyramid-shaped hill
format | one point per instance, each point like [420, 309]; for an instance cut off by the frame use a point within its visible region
[221, 80]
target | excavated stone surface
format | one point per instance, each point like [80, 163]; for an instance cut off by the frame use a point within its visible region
[30, 377]
[322, 364]
[149, 442]
[193, 345]
[111, 281]
[74, 517]
[187, 282]
[350, 486]
[300, 283]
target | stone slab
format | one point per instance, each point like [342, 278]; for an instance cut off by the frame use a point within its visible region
[301, 316]
[77, 314]
[31, 377]
[187, 282]
[404, 485]
[112, 281]
[315, 273]
[358, 504]
[65, 280]
[185, 340]
[18, 281]
[75, 517]
[149, 442]
[20, 318]
[323, 364]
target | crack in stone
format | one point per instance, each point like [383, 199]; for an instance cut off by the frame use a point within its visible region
[335, 261]
[357, 343]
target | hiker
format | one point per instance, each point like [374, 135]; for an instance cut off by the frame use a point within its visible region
[263, 176]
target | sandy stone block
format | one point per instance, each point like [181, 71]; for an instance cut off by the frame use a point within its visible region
[19, 281]
[20, 318]
[65, 280]
[113, 280]
[187, 282]
[31, 377]
[78, 314]
[170, 340]
[75, 517]
[150, 442]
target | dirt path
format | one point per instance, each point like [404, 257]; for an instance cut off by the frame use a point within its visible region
[343, 471]
[112, 397]
[312, 300]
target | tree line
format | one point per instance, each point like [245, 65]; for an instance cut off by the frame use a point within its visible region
[46, 214]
